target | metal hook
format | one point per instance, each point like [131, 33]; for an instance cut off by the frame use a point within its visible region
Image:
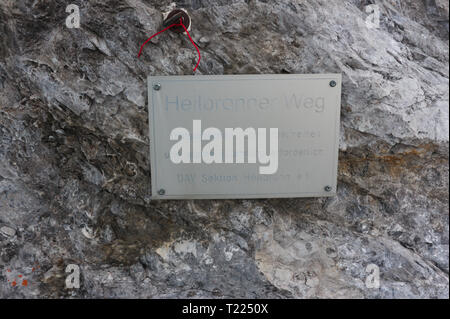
[174, 16]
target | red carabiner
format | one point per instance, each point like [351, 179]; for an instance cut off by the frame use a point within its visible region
[165, 29]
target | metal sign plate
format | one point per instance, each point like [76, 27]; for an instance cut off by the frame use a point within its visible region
[244, 136]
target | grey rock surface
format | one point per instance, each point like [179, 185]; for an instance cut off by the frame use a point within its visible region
[74, 153]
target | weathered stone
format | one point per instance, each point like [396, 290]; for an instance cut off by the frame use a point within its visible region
[74, 152]
[7, 231]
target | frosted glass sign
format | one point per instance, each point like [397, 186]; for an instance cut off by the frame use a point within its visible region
[244, 136]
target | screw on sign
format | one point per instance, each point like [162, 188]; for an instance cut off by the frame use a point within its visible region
[178, 21]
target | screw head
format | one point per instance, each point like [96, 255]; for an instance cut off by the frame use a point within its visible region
[161, 191]
[333, 83]
[156, 86]
[327, 188]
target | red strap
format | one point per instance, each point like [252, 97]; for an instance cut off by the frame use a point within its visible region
[165, 29]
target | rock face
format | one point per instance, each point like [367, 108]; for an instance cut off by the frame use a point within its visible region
[74, 153]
